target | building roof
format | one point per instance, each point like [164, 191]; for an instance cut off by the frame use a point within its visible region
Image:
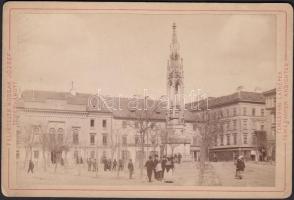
[242, 96]
[270, 92]
[120, 107]
[125, 108]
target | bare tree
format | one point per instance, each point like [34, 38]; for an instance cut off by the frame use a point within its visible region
[143, 122]
[209, 125]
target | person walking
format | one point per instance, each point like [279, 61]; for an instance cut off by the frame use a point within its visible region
[163, 165]
[240, 167]
[94, 165]
[149, 167]
[131, 168]
[169, 171]
[114, 163]
[89, 164]
[120, 165]
[109, 164]
[175, 158]
[155, 162]
[180, 157]
[158, 170]
[31, 167]
[105, 164]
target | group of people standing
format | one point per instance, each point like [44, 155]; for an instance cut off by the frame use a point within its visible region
[92, 165]
[108, 164]
[162, 168]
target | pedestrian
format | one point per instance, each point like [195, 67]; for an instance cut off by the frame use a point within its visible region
[158, 170]
[172, 164]
[149, 167]
[163, 165]
[110, 165]
[89, 164]
[155, 162]
[105, 164]
[81, 160]
[31, 167]
[180, 157]
[120, 165]
[169, 171]
[114, 163]
[94, 165]
[240, 167]
[252, 155]
[175, 158]
[131, 168]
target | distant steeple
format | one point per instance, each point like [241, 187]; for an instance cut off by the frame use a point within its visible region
[72, 90]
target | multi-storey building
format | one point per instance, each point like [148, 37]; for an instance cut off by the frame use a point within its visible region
[270, 113]
[239, 122]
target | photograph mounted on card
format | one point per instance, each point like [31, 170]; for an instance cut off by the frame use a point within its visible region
[147, 100]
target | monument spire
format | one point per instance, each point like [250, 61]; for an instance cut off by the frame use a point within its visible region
[174, 44]
[175, 82]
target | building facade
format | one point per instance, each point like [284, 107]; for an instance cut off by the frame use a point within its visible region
[270, 113]
[239, 123]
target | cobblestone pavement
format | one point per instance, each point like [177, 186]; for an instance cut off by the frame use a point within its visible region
[185, 173]
[255, 174]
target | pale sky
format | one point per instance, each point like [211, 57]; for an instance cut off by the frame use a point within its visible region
[123, 54]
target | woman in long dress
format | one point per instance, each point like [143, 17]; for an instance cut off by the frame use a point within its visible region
[168, 175]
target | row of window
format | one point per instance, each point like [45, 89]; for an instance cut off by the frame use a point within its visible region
[228, 139]
[232, 125]
[230, 113]
[270, 101]
[92, 123]
[124, 141]
[234, 142]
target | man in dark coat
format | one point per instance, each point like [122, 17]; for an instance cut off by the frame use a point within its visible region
[120, 165]
[163, 165]
[150, 167]
[105, 164]
[175, 158]
[89, 164]
[180, 157]
[94, 165]
[131, 168]
[31, 167]
[155, 162]
[114, 163]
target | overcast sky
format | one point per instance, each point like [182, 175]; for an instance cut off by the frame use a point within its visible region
[123, 54]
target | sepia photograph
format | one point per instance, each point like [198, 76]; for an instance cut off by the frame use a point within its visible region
[123, 98]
